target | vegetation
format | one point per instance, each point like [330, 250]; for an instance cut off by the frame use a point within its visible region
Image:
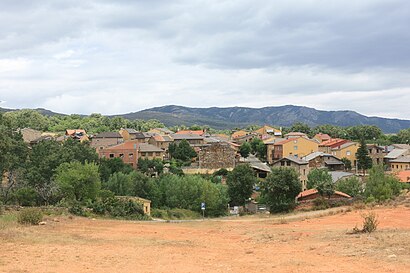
[182, 151]
[380, 186]
[348, 163]
[245, 149]
[350, 186]
[321, 180]
[240, 183]
[280, 189]
[30, 216]
[258, 148]
[370, 223]
[364, 162]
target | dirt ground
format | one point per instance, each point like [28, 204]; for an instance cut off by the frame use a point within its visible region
[250, 244]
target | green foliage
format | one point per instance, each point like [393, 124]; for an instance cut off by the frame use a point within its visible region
[107, 167]
[78, 182]
[26, 196]
[118, 207]
[77, 209]
[280, 189]
[347, 162]
[380, 185]
[369, 132]
[27, 119]
[403, 136]
[350, 186]
[240, 184]
[187, 192]
[245, 149]
[182, 151]
[364, 161]
[30, 216]
[150, 167]
[321, 180]
[120, 184]
[301, 127]
[258, 148]
[320, 203]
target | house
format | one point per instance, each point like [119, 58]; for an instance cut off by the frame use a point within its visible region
[319, 160]
[76, 134]
[193, 139]
[404, 176]
[401, 163]
[161, 141]
[239, 133]
[216, 156]
[294, 147]
[132, 134]
[42, 138]
[322, 137]
[301, 166]
[262, 169]
[395, 153]
[266, 132]
[29, 134]
[338, 175]
[245, 138]
[148, 151]
[341, 148]
[296, 135]
[161, 131]
[106, 139]
[127, 151]
[309, 195]
[376, 153]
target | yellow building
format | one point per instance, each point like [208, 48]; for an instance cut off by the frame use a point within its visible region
[267, 130]
[346, 150]
[295, 147]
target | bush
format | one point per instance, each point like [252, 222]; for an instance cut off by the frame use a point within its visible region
[320, 203]
[119, 207]
[1, 208]
[30, 216]
[26, 197]
[172, 214]
[370, 222]
[77, 209]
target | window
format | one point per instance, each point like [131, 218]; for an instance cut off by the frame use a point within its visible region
[121, 155]
[131, 155]
[111, 155]
[304, 171]
[150, 154]
[282, 163]
[157, 153]
[143, 154]
[348, 153]
[295, 147]
[288, 163]
[295, 141]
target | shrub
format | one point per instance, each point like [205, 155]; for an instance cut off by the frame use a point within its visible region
[30, 216]
[320, 203]
[26, 197]
[77, 209]
[118, 207]
[171, 214]
[370, 222]
[1, 208]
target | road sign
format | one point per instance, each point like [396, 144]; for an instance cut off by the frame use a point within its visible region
[203, 206]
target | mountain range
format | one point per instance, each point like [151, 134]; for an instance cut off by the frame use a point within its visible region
[237, 117]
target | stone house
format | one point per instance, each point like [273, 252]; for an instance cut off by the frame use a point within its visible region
[106, 139]
[132, 134]
[301, 167]
[148, 151]
[127, 151]
[319, 160]
[216, 156]
[193, 139]
[376, 153]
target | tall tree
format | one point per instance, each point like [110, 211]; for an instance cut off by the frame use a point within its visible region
[240, 184]
[245, 149]
[321, 180]
[182, 151]
[364, 161]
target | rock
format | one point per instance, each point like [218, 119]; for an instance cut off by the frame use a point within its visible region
[392, 256]
[42, 223]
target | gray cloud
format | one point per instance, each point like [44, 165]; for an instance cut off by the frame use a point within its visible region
[120, 56]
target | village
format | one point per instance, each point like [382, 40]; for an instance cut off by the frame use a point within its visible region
[214, 152]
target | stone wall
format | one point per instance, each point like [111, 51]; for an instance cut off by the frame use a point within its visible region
[217, 156]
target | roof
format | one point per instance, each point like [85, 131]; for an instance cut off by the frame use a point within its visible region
[255, 163]
[145, 147]
[396, 153]
[162, 130]
[322, 136]
[129, 145]
[336, 175]
[194, 132]
[108, 135]
[131, 131]
[293, 139]
[314, 191]
[333, 142]
[186, 136]
[293, 159]
[313, 155]
[74, 131]
[273, 140]
[402, 146]
[296, 134]
[401, 159]
[160, 138]
[404, 176]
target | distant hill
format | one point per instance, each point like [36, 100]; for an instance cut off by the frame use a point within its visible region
[231, 117]
[42, 111]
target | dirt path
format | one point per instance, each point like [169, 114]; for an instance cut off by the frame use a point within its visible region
[240, 245]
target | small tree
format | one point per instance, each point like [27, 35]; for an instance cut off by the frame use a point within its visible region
[280, 189]
[78, 182]
[240, 184]
[182, 151]
[322, 181]
[350, 186]
[364, 162]
[381, 186]
[245, 149]
[347, 162]
[258, 148]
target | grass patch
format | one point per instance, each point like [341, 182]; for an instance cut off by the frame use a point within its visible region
[175, 214]
[7, 220]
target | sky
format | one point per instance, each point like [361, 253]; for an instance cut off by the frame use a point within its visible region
[113, 57]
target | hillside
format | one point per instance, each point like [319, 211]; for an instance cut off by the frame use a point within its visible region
[231, 117]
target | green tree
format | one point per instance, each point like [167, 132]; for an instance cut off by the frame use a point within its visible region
[403, 136]
[27, 119]
[245, 149]
[78, 182]
[182, 151]
[240, 184]
[280, 189]
[301, 127]
[120, 184]
[151, 167]
[364, 161]
[109, 166]
[381, 186]
[350, 186]
[321, 180]
[347, 162]
[258, 148]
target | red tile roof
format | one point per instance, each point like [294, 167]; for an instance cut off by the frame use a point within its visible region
[188, 132]
[314, 191]
[129, 145]
[404, 176]
[333, 142]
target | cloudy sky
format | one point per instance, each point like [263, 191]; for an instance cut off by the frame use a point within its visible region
[110, 57]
